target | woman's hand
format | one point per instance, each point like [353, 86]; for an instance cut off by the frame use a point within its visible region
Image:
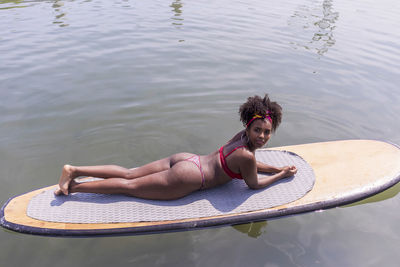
[288, 171]
[261, 182]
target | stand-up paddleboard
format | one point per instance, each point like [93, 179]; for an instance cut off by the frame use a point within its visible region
[330, 174]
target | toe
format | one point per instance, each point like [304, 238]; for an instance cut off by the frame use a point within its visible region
[58, 192]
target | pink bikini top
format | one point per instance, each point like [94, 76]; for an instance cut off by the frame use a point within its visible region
[224, 164]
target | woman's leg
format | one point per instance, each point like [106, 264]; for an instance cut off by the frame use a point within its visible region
[113, 171]
[182, 179]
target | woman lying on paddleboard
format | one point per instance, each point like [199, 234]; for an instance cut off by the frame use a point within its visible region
[184, 173]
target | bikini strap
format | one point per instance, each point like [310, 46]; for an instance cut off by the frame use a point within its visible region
[233, 150]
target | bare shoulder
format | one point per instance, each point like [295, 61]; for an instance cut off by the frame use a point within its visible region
[246, 155]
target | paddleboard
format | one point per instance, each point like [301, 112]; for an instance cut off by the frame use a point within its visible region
[345, 171]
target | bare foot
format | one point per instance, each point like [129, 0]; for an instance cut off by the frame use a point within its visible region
[58, 192]
[65, 180]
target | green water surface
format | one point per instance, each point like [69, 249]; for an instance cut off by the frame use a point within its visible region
[126, 82]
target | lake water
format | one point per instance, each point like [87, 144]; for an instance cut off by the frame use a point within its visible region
[128, 82]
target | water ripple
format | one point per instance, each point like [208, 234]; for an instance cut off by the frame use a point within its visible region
[98, 82]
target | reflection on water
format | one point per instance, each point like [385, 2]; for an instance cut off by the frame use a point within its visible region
[326, 25]
[177, 8]
[256, 229]
[15, 4]
[322, 26]
[253, 229]
[387, 194]
[116, 87]
[60, 14]
[177, 19]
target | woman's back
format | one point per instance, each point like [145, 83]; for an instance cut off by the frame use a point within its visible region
[221, 165]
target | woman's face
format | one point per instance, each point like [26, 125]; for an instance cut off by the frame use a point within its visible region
[259, 133]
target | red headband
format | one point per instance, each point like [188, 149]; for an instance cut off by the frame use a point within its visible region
[267, 116]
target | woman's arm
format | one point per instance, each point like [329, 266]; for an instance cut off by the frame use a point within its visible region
[249, 172]
[267, 180]
[262, 167]
[284, 173]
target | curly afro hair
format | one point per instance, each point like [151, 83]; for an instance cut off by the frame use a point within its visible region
[260, 106]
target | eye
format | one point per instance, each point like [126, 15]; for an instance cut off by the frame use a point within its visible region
[267, 132]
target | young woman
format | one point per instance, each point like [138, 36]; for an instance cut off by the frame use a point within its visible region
[183, 173]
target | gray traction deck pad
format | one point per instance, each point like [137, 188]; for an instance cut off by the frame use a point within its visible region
[233, 197]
